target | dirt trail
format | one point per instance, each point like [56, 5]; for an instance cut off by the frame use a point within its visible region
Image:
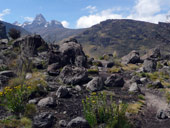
[156, 101]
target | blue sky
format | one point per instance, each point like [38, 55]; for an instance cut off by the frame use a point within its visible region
[84, 13]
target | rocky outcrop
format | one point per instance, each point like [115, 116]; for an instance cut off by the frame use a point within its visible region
[152, 54]
[35, 42]
[69, 52]
[73, 75]
[132, 58]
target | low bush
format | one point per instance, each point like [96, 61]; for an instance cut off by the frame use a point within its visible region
[99, 109]
[93, 71]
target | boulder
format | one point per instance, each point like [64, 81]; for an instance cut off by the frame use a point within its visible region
[132, 58]
[43, 120]
[62, 92]
[34, 41]
[78, 122]
[149, 65]
[134, 88]
[46, 102]
[72, 75]
[152, 53]
[69, 52]
[114, 81]
[96, 84]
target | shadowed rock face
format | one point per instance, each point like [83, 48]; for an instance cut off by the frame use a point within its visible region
[2, 31]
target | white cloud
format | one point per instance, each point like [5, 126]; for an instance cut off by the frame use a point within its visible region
[144, 10]
[65, 23]
[88, 21]
[91, 9]
[30, 19]
[4, 12]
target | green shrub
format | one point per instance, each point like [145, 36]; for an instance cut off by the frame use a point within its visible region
[99, 109]
[3, 67]
[15, 98]
[114, 70]
[12, 122]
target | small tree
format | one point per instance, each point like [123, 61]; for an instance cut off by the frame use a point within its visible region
[14, 33]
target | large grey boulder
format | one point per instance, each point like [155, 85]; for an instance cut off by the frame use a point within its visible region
[69, 52]
[43, 120]
[35, 42]
[149, 65]
[72, 75]
[132, 58]
[96, 84]
[114, 81]
[78, 122]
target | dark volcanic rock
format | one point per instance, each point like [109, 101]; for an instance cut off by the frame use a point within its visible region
[96, 84]
[69, 52]
[35, 41]
[43, 120]
[149, 65]
[157, 84]
[132, 58]
[53, 69]
[161, 114]
[114, 81]
[62, 92]
[78, 122]
[73, 75]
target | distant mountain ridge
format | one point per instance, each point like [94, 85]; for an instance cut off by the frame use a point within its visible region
[50, 30]
[124, 36]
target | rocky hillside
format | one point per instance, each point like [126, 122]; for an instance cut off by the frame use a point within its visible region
[124, 36]
[57, 86]
[9, 26]
[51, 31]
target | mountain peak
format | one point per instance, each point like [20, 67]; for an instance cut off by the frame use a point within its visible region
[39, 19]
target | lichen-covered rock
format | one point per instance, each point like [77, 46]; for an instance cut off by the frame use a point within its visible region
[78, 122]
[96, 84]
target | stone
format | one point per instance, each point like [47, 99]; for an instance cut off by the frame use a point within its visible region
[62, 123]
[161, 114]
[43, 120]
[62, 92]
[53, 69]
[46, 102]
[72, 75]
[96, 84]
[28, 76]
[114, 81]
[78, 122]
[7, 73]
[132, 58]
[149, 65]
[78, 88]
[157, 84]
[134, 88]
